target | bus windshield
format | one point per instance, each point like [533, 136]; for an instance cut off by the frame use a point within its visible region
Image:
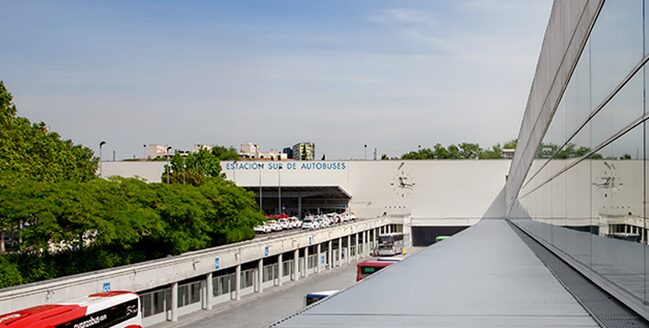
[391, 244]
[367, 268]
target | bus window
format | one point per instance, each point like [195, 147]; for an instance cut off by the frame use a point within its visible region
[311, 298]
[391, 244]
[367, 268]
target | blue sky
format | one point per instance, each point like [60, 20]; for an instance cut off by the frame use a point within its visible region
[389, 74]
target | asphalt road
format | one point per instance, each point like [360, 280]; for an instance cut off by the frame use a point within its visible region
[261, 310]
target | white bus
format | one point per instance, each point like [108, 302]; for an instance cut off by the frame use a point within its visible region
[104, 310]
[391, 244]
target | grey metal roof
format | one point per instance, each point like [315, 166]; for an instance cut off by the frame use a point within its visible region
[483, 276]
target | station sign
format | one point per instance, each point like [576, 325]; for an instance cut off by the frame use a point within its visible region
[289, 166]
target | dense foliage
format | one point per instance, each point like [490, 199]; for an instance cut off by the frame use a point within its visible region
[30, 150]
[461, 151]
[58, 218]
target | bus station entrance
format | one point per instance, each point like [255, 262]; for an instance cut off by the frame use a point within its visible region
[301, 200]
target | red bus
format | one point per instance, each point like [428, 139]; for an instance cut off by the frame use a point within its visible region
[367, 268]
[111, 309]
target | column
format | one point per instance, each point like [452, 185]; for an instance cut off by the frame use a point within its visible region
[348, 251]
[317, 259]
[356, 256]
[340, 251]
[174, 302]
[366, 247]
[280, 269]
[260, 276]
[237, 282]
[208, 291]
[306, 262]
[296, 262]
[329, 255]
[376, 239]
[299, 207]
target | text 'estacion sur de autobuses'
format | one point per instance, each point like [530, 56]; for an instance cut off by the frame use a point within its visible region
[306, 166]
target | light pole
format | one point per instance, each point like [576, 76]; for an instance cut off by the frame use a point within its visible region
[101, 145]
[261, 208]
[234, 172]
[145, 157]
[279, 188]
[365, 149]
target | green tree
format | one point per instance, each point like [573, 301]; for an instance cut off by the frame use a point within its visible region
[511, 144]
[9, 273]
[30, 150]
[194, 168]
[494, 153]
[225, 154]
[470, 150]
[440, 152]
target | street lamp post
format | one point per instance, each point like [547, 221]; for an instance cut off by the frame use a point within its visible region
[279, 189]
[365, 149]
[261, 208]
[234, 172]
[101, 145]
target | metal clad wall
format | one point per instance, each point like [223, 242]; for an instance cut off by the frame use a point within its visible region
[566, 34]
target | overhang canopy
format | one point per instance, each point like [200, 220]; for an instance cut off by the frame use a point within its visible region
[331, 192]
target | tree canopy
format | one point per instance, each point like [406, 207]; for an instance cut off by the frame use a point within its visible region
[460, 151]
[32, 151]
[56, 213]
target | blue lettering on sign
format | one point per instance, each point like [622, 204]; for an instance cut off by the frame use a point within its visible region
[307, 166]
[217, 263]
[106, 287]
[266, 251]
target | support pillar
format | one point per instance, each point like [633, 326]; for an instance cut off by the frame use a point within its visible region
[330, 255]
[340, 251]
[296, 262]
[348, 251]
[306, 262]
[299, 207]
[366, 238]
[317, 258]
[174, 302]
[237, 282]
[209, 287]
[260, 276]
[280, 269]
[376, 239]
[356, 247]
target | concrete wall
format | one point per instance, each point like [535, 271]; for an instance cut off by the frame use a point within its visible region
[445, 193]
[150, 171]
[162, 272]
[565, 37]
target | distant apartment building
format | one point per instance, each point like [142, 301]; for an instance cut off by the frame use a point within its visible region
[508, 153]
[304, 151]
[156, 151]
[252, 151]
[289, 152]
[199, 147]
[248, 150]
